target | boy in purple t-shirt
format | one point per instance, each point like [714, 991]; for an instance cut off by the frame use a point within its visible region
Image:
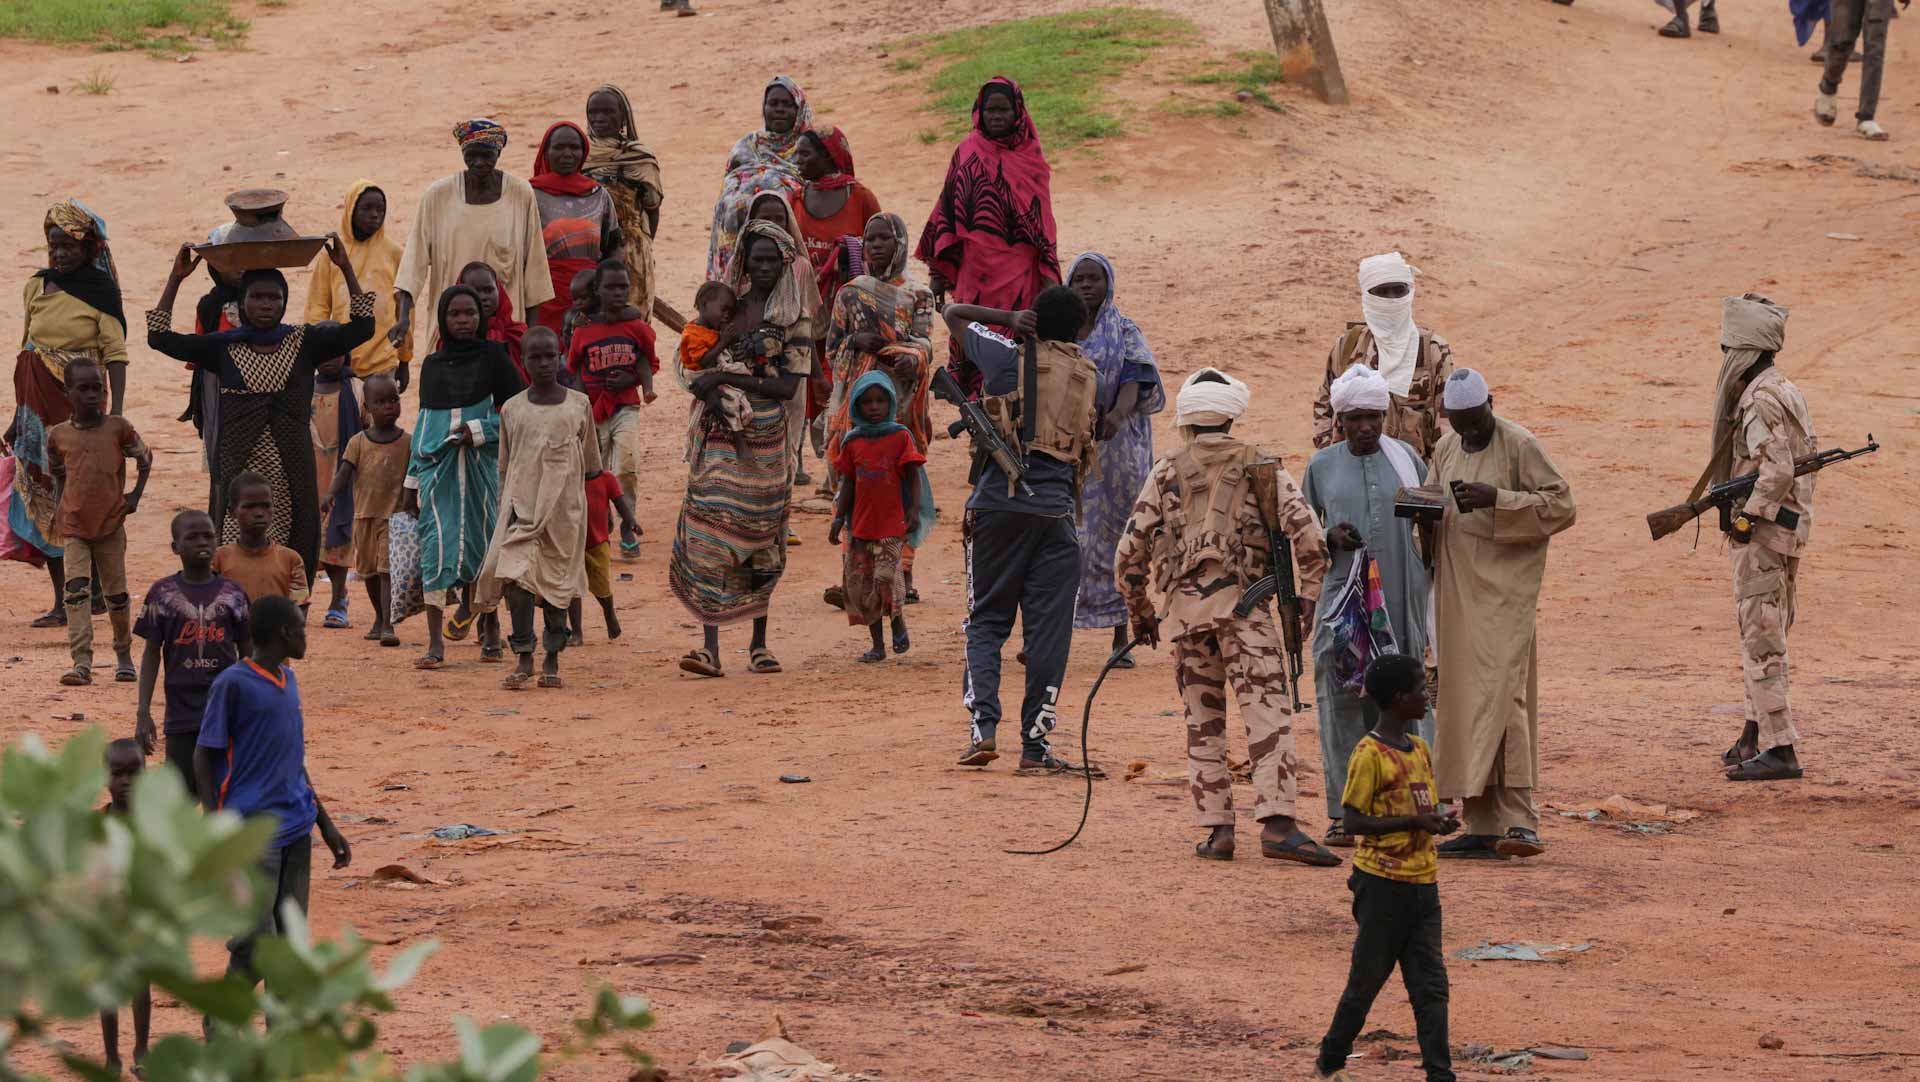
[195, 624]
[251, 759]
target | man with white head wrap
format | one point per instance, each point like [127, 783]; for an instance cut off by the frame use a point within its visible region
[1761, 424]
[1507, 499]
[1412, 360]
[1195, 541]
[1351, 487]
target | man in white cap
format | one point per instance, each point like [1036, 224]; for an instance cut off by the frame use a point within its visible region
[1198, 539]
[1760, 425]
[1505, 500]
[1412, 360]
[1351, 486]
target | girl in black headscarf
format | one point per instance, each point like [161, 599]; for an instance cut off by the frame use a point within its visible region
[264, 370]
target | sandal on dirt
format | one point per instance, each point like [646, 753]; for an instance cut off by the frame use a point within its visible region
[429, 661]
[1470, 847]
[1299, 849]
[493, 655]
[515, 681]
[979, 753]
[912, 598]
[1053, 766]
[458, 629]
[1337, 837]
[1206, 851]
[373, 634]
[78, 676]
[1732, 756]
[701, 663]
[1520, 842]
[550, 680]
[761, 660]
[902, 642]
[56, 618]
[1765, 766]
[389, 639]
[835, 596]
[336, 618]
[630, 549]
[871, 656]
[125, 674]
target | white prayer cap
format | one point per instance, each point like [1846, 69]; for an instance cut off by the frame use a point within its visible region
[1381, 269]
[1210, 402]
[1359, 388]
[1464, 390]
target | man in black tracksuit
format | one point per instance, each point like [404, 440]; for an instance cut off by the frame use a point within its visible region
[1023, 552]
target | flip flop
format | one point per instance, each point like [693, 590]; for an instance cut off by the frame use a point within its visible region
[56, 618]
[390, 639]
[76, 677]
[493, 655]
[550, 680]
[1338, 838]
[763, 661]
[1762, 767]
[1206, 851]
[373, 634]
[701, 663]
[125, 674]
[871, 656]
[1520, 842]
[1054, 766]
[429, 661]
[912, 598]
[336, 618]
[1302, 851]
[457, 629]
[630, 549]
[516, 681]
[902, 642]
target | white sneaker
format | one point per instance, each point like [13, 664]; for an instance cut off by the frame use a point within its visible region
[1825, 109]
[1871, 129]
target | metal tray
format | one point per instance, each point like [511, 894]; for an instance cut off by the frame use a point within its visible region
[237, 257]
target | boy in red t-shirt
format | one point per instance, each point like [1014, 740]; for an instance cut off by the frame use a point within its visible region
[612, 353]
[603, 490]
[882, 496]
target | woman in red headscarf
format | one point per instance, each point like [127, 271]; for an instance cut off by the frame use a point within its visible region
[831, 212]
[578, 221]
[990, 240]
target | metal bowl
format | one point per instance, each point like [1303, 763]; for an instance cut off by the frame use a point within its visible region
[236, 257]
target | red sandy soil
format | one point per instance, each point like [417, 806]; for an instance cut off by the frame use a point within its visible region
[1579, 193]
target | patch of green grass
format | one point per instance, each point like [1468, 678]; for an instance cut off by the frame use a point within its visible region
[907, 63]
[1252, 74]
[98, 81]
[1180, 105]
[112, 25]
[1062, 63]
[929, 136]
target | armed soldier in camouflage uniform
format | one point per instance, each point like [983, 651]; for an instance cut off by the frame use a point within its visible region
[1760, 423]
[1412, 359]
[1197, 537]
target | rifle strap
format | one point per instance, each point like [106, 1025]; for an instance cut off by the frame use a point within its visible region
[1706, 475]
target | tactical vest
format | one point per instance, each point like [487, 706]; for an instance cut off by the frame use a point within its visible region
[1209, 524]
[1063, 423]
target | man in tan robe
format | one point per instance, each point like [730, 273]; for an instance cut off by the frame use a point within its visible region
[1507, 500]
[1761, 425]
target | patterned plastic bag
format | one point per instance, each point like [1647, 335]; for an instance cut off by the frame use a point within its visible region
[406, 594]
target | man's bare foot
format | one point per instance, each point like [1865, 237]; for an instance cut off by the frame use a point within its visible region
[577, 638]
[1218, 846]
[613, 625]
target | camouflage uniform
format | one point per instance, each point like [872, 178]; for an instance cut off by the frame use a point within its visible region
[1771, 430]
[1211, 646]
[1413, 418]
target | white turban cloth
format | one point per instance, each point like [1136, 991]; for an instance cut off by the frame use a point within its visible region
[1210, 402]
[1359, 388]
[1391, 318]
[1464, 390]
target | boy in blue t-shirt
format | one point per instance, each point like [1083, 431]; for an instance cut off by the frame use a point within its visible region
[195, 624]
[253, 716]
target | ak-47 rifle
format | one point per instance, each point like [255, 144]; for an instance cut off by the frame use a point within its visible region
[986, 439]
[1279, 581]
[1727, 494]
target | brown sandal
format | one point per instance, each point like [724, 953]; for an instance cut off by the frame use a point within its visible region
[550, 680]
[701, 663]
[515, 681]
[76, 677]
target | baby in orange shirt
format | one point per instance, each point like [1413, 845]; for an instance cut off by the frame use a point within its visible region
[707, 345]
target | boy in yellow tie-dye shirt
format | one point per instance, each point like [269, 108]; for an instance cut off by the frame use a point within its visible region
[1389, 806]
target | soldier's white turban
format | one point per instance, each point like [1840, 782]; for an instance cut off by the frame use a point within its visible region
[1210, 402]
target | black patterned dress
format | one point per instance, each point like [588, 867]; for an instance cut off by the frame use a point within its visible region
[263, 422]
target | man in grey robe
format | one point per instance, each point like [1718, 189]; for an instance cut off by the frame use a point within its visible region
[1350, 485]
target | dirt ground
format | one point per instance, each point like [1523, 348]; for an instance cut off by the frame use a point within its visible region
[1579, 194]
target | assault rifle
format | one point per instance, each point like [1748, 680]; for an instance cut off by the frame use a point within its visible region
[1727, 494]
[1279, 581]
[986, 439]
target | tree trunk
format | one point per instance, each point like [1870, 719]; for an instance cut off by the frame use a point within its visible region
[1305, 45]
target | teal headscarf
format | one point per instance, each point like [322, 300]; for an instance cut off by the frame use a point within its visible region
[922, 525]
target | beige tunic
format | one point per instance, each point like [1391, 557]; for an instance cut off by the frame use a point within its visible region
[540, 537]
[1486, 583]
[449, 233]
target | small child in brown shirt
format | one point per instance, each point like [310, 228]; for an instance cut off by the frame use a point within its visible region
[262, 568]
[87, 457]
[375, 469]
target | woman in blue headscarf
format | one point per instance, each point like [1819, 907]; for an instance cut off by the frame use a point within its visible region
[1128, 397]
[264, 370]
[885, 503]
